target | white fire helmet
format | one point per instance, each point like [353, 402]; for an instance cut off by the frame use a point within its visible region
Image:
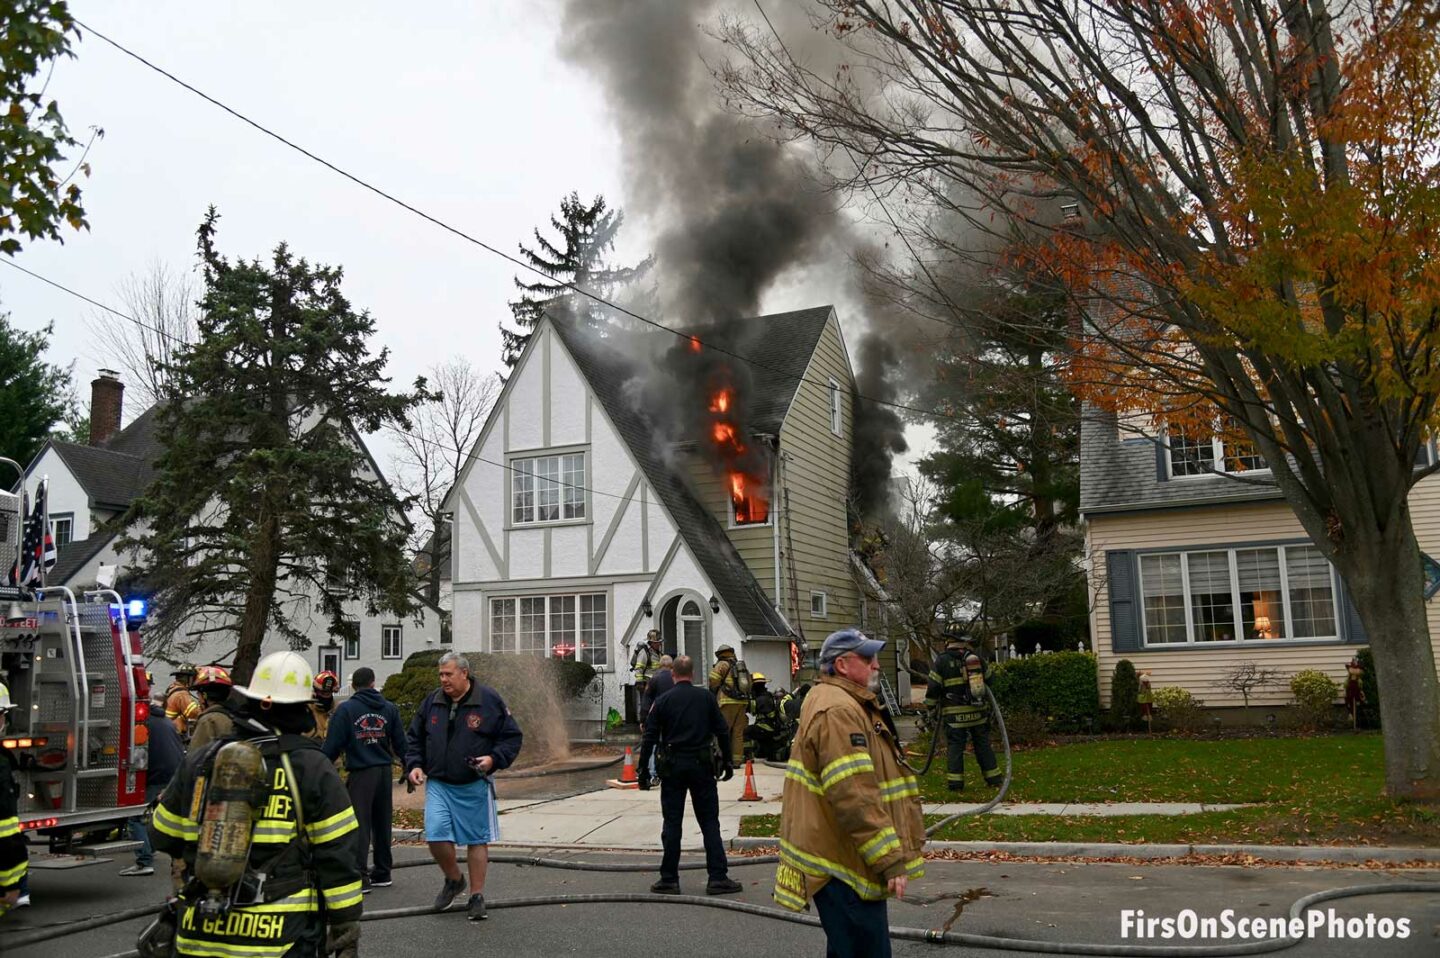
[281, 678]
[5, 701]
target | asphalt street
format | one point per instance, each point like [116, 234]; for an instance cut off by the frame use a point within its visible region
[1056, 902]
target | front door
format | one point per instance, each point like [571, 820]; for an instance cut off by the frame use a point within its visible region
[330, 660]
[690, 627]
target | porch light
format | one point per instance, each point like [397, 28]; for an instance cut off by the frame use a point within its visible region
[714, 605]
[647, 608]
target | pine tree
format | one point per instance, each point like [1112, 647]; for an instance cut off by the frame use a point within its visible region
[264, 498]
[587, 234]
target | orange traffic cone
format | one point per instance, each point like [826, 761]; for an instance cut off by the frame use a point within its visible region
[628, 778]
[751, 795]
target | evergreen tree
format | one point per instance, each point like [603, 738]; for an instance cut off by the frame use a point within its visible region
[587, 234]
[34, 395]
[1008, 469]
[265, 505]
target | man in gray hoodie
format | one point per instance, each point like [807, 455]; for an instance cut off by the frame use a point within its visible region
[366, 729]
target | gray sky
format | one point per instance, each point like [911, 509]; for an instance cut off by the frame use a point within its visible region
[467, 112]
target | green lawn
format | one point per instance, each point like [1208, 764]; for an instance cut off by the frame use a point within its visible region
[1310, 791]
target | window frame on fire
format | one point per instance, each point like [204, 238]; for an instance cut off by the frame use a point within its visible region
[769, 516]
[556, 452]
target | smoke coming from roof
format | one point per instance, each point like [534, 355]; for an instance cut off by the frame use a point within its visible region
[879, 431]
[733, 209]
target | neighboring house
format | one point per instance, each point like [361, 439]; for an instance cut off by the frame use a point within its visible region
[577, 528]
[92, 485]
[1194, 570]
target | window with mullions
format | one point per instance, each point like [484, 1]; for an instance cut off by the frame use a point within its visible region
[1245, 594]
[564, 626]
[547, 488]
[1206, 456]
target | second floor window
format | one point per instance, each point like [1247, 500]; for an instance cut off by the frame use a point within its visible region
[836, 420]
[391, 642]
[62, 530]
[1190, 456]
[547, 488]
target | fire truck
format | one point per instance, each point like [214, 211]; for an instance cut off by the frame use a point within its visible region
[75, 671]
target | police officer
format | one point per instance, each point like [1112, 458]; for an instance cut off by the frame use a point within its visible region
[14, 859]
[734, 700]
[644, 663]
[293, 889]
[322, 702]
[685, 724]
[181, 706]
[957, 684]
[213, 684]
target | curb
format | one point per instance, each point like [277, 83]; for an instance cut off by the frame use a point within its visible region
[1350, 854]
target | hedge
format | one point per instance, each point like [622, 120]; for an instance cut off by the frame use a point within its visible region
[1061, 686]
[520, 680]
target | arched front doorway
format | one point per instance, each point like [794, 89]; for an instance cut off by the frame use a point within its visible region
[683, 629]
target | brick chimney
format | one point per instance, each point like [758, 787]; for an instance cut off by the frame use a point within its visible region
[107, 393]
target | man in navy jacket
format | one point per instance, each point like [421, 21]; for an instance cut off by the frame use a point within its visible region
[461, 733]
[366, 729]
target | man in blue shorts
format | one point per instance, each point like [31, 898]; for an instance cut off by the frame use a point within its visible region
[460, 735]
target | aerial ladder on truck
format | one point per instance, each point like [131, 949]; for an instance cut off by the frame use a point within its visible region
[75, 669]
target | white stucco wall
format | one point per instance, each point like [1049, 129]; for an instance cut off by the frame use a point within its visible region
[625, 538]
[66, 494]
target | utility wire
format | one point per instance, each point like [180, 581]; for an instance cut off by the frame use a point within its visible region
[416, 436]
[456, 231]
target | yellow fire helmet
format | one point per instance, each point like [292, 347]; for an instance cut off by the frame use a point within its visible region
[5, 701]
[758, 677]
[280, 677]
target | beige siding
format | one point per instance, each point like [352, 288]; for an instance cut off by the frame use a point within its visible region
[756, 544]
[1197, 669]
[815, 471]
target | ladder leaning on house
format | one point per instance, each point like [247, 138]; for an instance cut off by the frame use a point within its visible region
[887, 696]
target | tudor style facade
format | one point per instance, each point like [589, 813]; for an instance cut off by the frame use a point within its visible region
[577, 528]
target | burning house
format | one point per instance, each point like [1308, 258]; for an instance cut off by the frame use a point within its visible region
[632, 481]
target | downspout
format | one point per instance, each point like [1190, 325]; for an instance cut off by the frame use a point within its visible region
[775, 525]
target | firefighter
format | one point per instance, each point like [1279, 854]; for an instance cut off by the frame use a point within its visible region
[771, 732]
[322, 703]
[256, 887]
[181, 706]
[957, 685]
[14, 859]
[644, 663]
[730, 681]
[213, 685]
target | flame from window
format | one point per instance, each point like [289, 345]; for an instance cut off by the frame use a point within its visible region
[751, 504]
[720, 402]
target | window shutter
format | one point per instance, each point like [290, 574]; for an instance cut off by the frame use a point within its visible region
[1353, 629]
[1124, 611]
[1162, 455]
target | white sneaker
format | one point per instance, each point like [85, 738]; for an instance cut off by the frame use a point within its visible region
[23, 901]
[135, 871]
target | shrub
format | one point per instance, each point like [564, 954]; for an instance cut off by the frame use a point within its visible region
[1179, 709]
[1059, 686]
[1369, 713]
[1315, 694]
[1024, 727]
[1124, 696]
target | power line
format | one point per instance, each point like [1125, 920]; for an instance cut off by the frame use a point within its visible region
[456, 231]
[175, 340]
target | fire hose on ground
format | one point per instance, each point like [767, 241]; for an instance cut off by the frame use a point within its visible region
[897, 932]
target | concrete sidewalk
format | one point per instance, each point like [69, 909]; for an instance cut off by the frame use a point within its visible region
[630, 819]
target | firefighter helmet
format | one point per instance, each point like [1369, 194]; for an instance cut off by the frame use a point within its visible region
[281, 678]
[183, 669]
[723, 649]
[212, 675]
[758, 677]
[5, 701]
[326, 684]
[653, 635]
